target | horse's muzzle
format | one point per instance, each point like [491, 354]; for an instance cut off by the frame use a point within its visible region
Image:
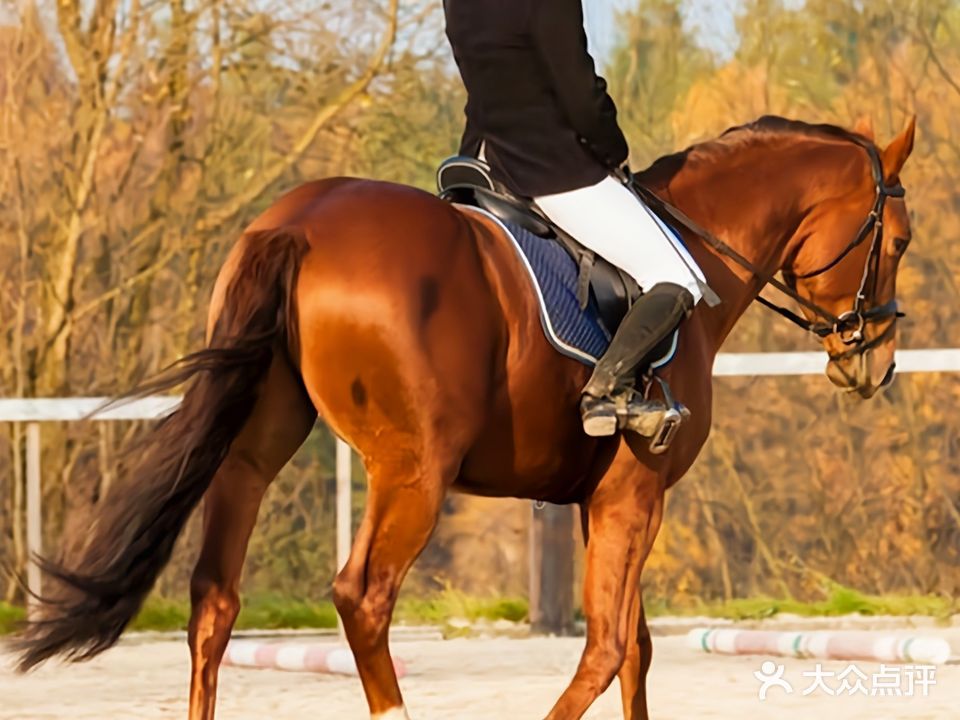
[854, 375]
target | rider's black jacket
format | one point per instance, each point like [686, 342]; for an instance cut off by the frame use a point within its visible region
[535, 101]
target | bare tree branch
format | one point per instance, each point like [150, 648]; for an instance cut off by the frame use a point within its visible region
[343, 99]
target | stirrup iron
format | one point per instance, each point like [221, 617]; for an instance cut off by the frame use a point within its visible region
[670, 423]
[669, 426]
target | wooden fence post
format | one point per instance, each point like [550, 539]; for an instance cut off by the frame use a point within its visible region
[344, 507]
[551, 569]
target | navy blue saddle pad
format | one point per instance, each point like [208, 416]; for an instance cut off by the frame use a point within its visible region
[579, 334]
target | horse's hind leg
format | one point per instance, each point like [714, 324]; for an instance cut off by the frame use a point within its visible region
[280, 422]
[386, 362]
[403, 503]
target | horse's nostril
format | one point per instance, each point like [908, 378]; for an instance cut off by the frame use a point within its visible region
[888, 378]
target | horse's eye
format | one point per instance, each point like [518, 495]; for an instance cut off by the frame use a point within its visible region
[901, 244]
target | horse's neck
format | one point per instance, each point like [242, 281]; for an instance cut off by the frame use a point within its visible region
[755, 215]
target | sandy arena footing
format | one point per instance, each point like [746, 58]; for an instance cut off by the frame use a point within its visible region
[466, 679]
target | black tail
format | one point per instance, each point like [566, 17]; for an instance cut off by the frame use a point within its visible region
[165, 473]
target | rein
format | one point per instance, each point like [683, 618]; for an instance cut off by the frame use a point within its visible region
[849, 326]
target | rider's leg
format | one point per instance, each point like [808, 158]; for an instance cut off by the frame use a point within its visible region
[611, 221]
[656, 314]
[608, 400]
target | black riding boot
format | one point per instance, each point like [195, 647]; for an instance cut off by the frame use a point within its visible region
[608, 402]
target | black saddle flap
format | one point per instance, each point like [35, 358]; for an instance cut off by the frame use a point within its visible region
[614, 291]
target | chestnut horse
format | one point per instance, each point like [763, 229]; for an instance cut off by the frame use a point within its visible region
[409, 325]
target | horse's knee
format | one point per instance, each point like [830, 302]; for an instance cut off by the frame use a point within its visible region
[347, 592]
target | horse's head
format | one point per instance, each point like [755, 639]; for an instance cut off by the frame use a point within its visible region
[846, 263]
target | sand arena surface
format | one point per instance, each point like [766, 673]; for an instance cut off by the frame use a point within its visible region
[466, 679]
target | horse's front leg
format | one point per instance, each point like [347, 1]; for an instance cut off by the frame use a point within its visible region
[623, 516]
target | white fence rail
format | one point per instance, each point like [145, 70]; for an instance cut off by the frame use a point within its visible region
[812, 363]
[34, 411]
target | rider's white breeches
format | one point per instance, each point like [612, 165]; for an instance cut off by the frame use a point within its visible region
[610, 220]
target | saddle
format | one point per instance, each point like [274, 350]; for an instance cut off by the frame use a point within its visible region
[467, 181]
[603, 292]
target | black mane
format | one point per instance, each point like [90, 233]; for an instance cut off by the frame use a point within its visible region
[782, 125]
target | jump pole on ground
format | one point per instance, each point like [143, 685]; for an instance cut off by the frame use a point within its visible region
[296, 657]
[828, 645]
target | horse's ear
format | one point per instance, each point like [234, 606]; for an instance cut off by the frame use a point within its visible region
[864, 127]
[899, 149]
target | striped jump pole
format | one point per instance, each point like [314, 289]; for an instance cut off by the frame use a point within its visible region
[828, 645]
[296, 657]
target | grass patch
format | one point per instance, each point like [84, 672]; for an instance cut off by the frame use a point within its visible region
[162, 614]
[267, 612]
[841, 601]
[448, 604]
[256, 613]
[274, 613]
[10, 617]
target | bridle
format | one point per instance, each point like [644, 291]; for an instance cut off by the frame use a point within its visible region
[848, 326]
